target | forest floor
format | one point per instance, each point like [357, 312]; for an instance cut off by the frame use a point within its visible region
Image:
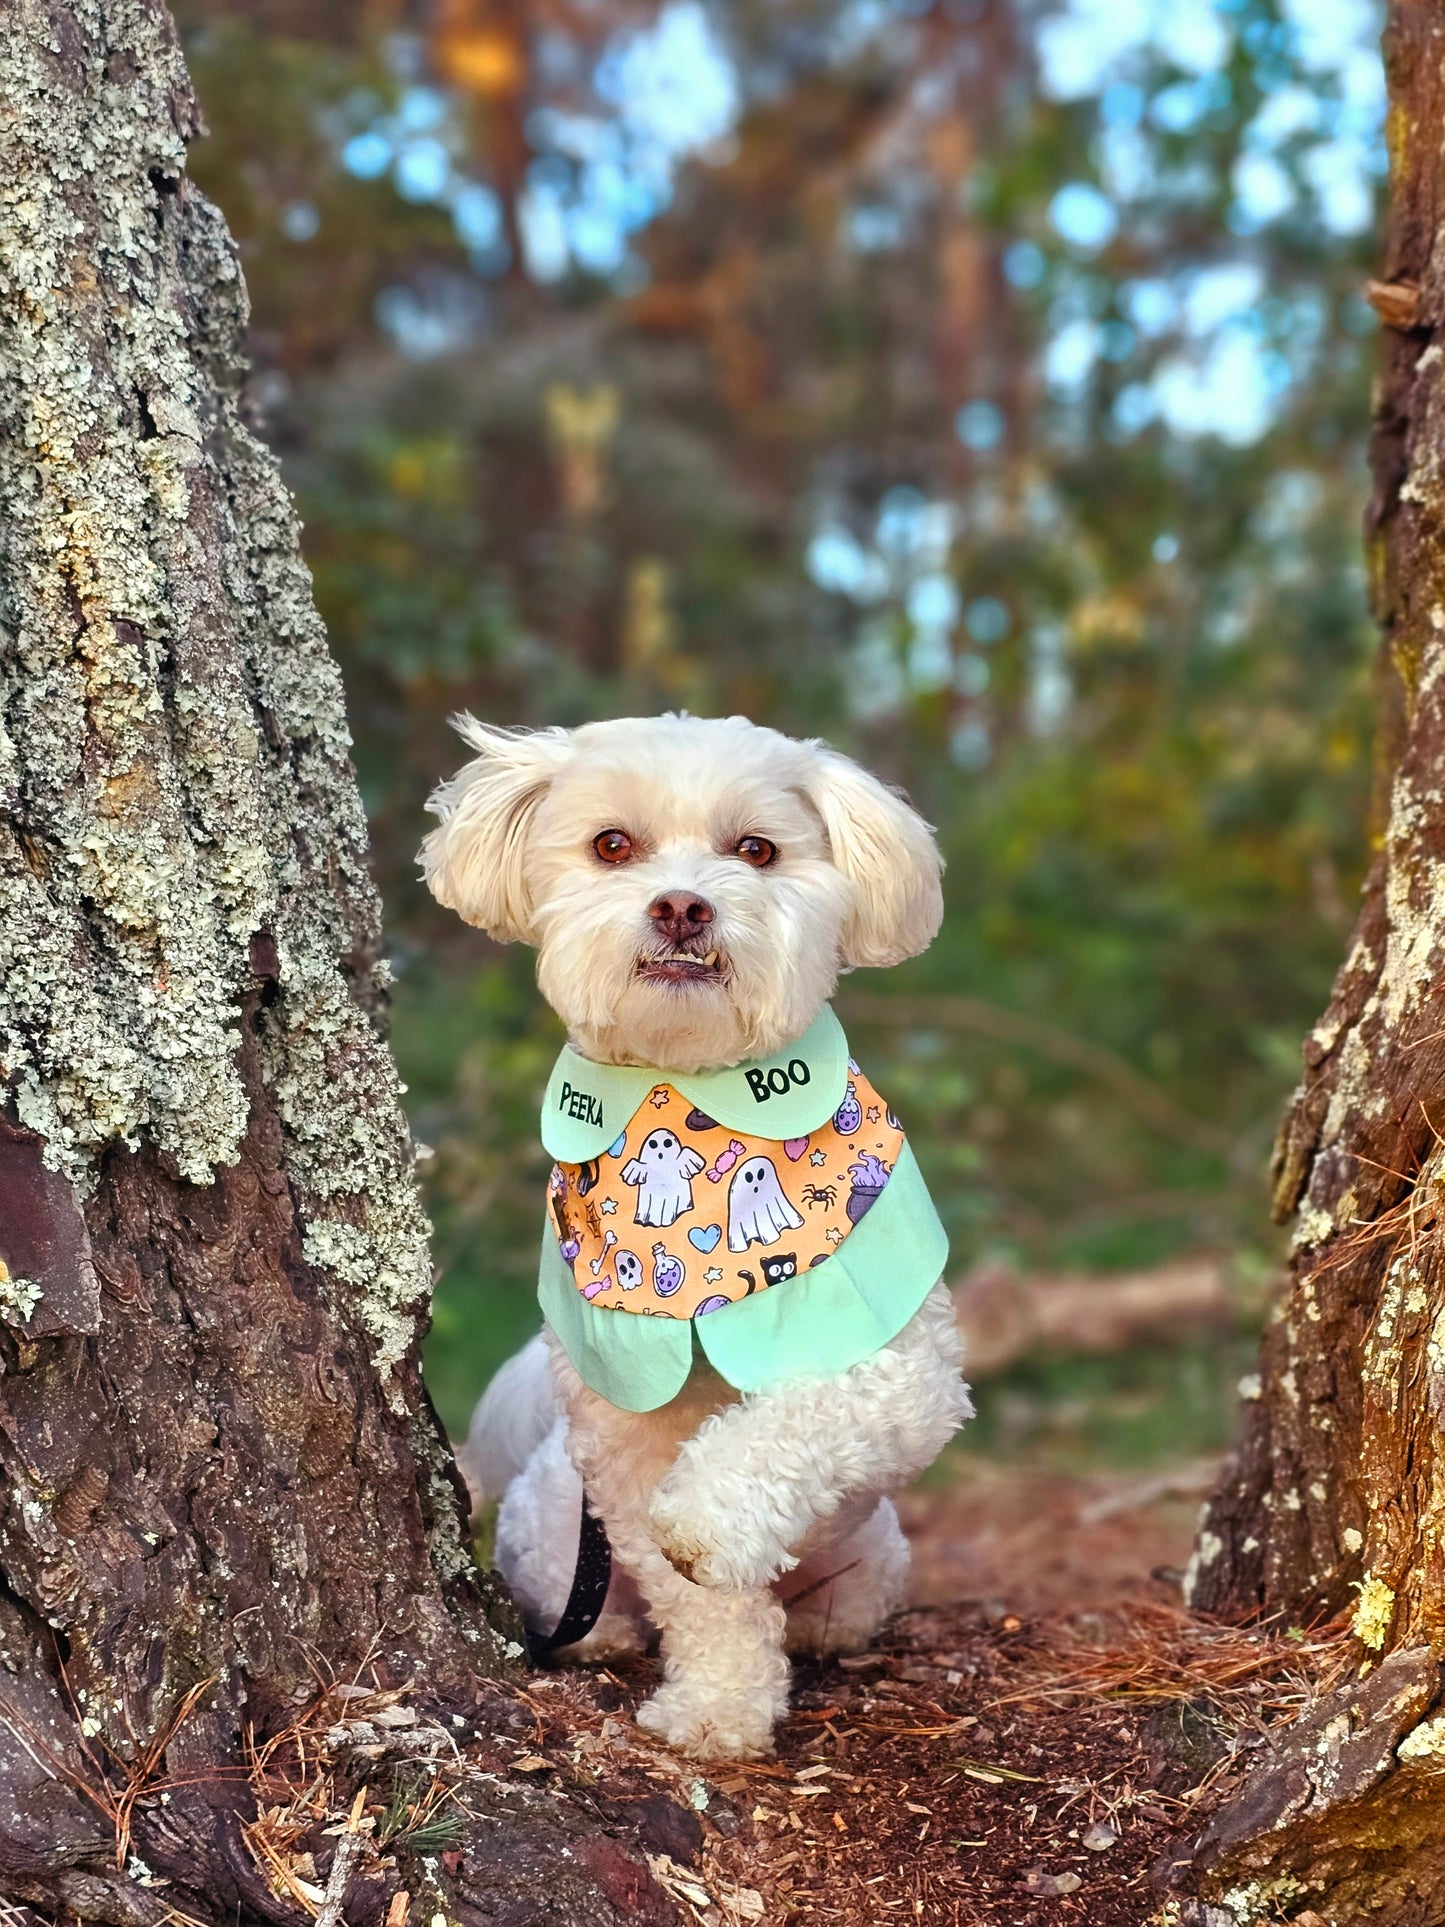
[1029, 1742]
[1024, 1744]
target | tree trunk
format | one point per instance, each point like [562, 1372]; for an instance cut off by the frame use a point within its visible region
[222, 1478]
[1336, 1500]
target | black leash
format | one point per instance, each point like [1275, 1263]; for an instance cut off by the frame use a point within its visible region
[589, 1589]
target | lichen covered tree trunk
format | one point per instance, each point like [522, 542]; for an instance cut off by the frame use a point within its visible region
[220, 1476]
[1336, 1501]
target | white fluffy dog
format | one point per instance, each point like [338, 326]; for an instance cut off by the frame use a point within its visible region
[743, 1527]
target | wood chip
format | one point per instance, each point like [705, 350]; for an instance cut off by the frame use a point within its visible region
[1051, 1885]
[742, 1903]
[393, 1716]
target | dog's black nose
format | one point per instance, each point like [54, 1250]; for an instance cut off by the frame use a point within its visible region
[677, 915]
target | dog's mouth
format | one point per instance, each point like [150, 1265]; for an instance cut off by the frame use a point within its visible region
[681, 966]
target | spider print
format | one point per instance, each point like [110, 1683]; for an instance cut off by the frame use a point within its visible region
[820, 1194]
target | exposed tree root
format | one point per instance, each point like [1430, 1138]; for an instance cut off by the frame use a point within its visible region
[1343, 1817]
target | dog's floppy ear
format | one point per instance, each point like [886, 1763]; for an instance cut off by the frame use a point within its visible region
[887, 852]
[475, 863]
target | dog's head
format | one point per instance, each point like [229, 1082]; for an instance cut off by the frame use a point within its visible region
[693, 886]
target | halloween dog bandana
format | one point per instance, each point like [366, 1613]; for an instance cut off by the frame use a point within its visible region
[686, 1197]
[682, 1216]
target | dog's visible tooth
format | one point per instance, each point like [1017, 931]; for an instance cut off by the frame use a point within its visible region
[710, 959]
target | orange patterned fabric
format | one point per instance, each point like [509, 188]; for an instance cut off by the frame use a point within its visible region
[681, 1216]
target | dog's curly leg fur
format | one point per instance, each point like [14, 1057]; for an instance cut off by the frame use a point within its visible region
[757, 1478]
[725, 1676]
[842, 1592]
[742, 1490]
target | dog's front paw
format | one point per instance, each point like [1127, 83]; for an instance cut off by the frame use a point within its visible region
[712, 1547]
[705, 1728]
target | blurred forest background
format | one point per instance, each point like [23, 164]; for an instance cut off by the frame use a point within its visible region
[983, 384]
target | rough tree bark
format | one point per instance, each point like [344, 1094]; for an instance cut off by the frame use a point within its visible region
[219, 1471]
[1336, 1501]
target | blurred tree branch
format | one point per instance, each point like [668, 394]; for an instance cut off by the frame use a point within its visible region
[957, 1012]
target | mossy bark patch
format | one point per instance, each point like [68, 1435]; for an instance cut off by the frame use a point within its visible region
[221, 1480]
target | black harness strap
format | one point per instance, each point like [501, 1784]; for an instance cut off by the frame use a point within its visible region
[589, 1589]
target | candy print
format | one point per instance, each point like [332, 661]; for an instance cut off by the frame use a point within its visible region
[726, 1160]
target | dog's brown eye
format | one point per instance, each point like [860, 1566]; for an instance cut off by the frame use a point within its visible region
[756, 850]
[613, 846]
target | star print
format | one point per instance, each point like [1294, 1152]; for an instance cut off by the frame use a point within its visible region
[659, 1097]
[874, 1114]
[818, 1157]
[712, 1274]
[609, 1206]
[834, 1235]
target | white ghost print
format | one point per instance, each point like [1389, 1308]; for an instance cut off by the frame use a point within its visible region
[758, 1210]
[663, 1171]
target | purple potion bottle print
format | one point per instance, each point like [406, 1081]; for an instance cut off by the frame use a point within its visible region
[849, 1114]
[568, 1242]
[869, 1175]
[667, 1272]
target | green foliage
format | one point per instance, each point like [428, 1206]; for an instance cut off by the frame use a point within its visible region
[418, 1818]
[1143, 728]
[1111, 1413]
